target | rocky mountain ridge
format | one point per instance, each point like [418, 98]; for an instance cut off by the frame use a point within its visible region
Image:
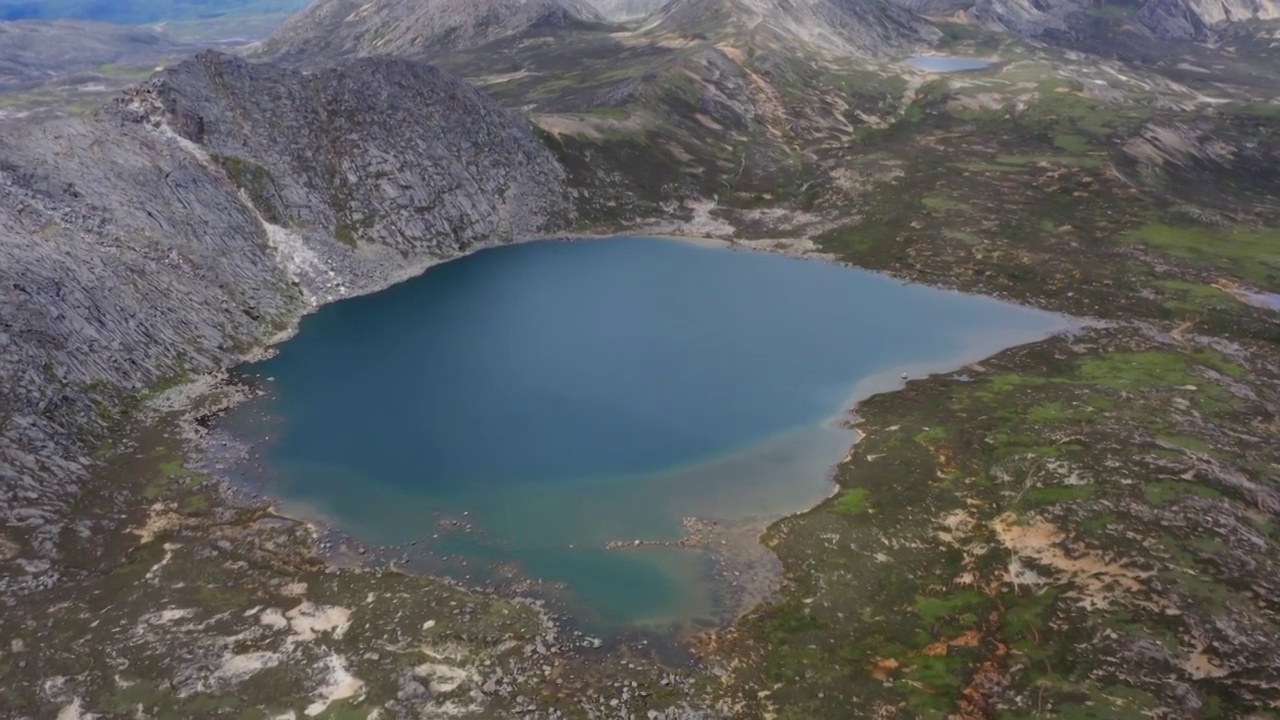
[859, 28]
[1197, 20]
[350, 28]
[206, 210]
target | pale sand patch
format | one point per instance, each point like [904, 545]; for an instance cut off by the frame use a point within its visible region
[702, 225]
[153, 575]
[294, 589]
[340, 684]
[1202, 666]
[640, 37]
[299, 262]
[273, 618]
[677, 152]
[73, 712]
[1100, 580]
[707, 122]
[441, 678]
[309, 620]
[8, 548]
[161, 518]
[447, 652]
[794, 247]
[582, 125]
[956, 526]
[499, 78]
[732, 53]
[978, 101]
[676, 43]
[239, 667]
[167, 617]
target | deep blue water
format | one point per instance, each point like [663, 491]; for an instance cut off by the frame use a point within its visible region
[946, 64]
[559, 395]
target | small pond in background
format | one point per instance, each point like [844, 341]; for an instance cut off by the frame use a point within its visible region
[948, 64]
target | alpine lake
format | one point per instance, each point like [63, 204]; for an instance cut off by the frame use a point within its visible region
[948, 64]
[554, 417]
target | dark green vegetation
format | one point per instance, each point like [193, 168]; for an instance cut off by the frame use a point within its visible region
[137, 12]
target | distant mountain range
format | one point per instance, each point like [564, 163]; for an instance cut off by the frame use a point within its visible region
[137, 12]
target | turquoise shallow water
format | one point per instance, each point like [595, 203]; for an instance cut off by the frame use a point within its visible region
[561, 395]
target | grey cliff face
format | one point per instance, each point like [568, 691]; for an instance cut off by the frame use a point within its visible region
[331, 29]
[395, 154]
[207, 210]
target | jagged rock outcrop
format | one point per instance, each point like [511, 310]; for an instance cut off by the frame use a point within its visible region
[209, 208]
[331, 29]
